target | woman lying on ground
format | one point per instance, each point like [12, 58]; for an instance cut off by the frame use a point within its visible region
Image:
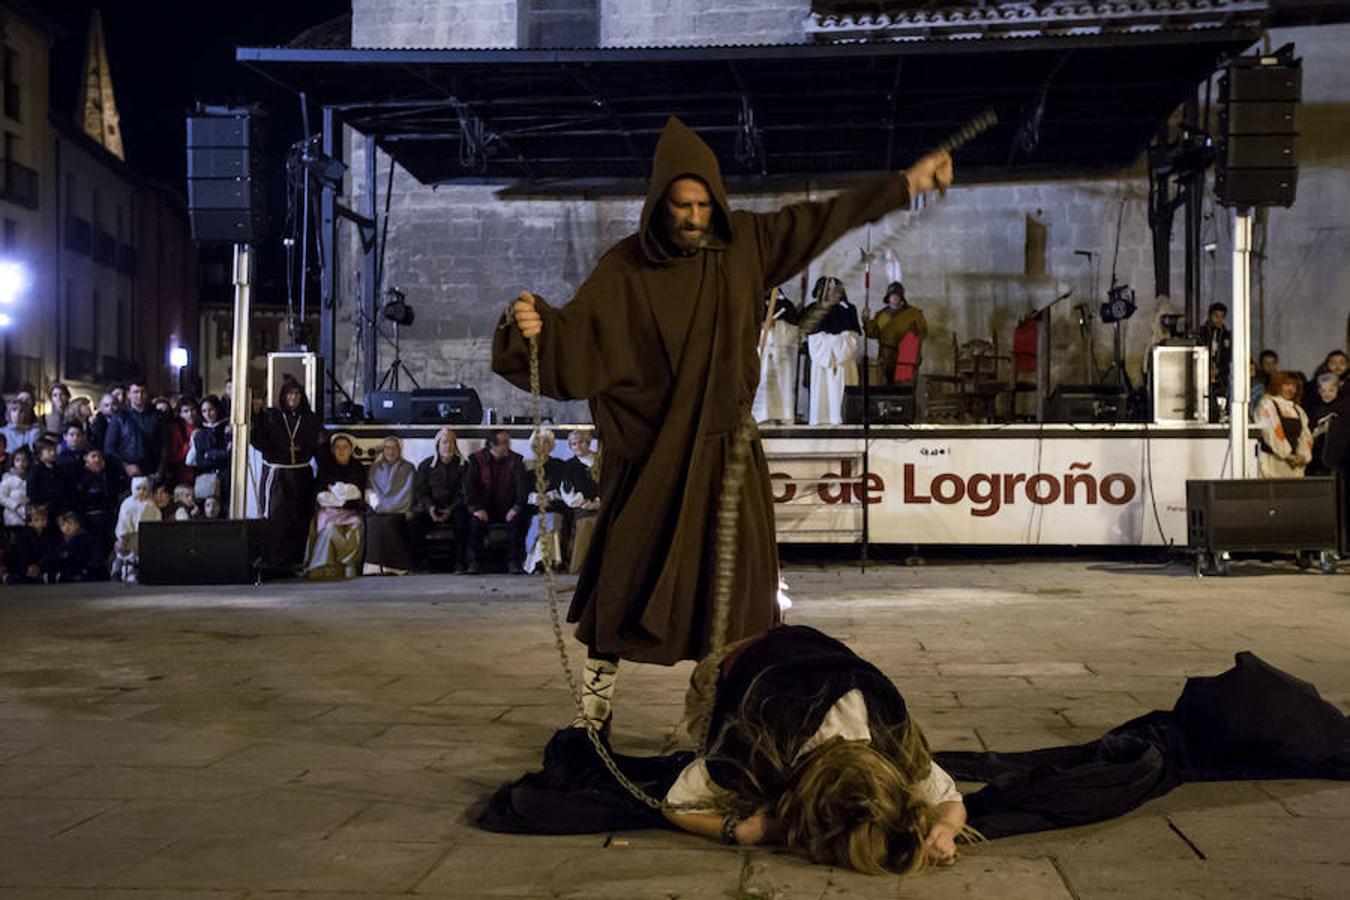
[812, 747]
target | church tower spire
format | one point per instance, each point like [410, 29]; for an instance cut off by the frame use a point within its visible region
[97, 107]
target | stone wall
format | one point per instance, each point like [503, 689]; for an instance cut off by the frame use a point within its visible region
[461, 253]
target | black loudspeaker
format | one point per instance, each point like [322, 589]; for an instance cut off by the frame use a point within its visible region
[224, 178]
[427, 406]
[1087, 403]
[1258, 130]
[888, 405]
[1262, 514]
[201, 551]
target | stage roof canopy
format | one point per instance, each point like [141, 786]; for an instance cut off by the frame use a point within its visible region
[1067, 103]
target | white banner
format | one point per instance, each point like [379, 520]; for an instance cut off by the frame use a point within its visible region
[982, 489]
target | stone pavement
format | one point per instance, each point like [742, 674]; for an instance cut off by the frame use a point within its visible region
[306, 741]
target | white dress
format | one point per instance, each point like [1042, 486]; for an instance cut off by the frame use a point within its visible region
[834, 365]
[776, 398]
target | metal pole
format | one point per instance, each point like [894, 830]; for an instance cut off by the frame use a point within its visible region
[1241, 317]
[328, 259]
[370, 300]
[239, 408]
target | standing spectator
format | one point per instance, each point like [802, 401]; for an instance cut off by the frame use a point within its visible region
[5, 459]
[1219, 340]
[389, 493]
[336, 548]
[136, 435]
[94, 498]
[1334, 365]
[438, 496]
[135, 509]
[185, 505]
[287, 435]
[1321, 408]
[80, 411]
[14, 488]
[55, 418]
[180, 429]
[226, 398]
[119, 395]
[210, 452]
[98, 425]
[46, 484]
[1286, 440]
[18, 430]
[76, 556]
[30, 553]
[496, 491]
[70, 455]
[211, 508]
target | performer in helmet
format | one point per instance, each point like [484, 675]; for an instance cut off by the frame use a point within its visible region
[661, 339]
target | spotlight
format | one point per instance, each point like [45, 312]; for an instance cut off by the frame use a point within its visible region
[396, 308]
[178, 357]
[5, 320]
[13, 281]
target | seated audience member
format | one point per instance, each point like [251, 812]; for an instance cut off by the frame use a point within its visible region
[1286, 440]
[47, 484]
[336, 543]
[94, 498]
[209, 455]
[581, 492]
[137, 508]
[547, 509]
[18, 430]
[389, 493]
[136, 435]
[55, 418]
[438, 496]
[31, 550]
[14, 489]
[179, 430]
[495, 489]
[185, 505]
[77, 555]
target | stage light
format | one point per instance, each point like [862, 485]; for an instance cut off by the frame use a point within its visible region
[178, 357]
[5, 320]
[13, 281]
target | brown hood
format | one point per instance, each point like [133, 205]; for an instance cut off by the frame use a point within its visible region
[681, 152]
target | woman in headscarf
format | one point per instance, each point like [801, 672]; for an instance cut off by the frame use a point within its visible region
[338, 533]
[390, 495]
[438, 497]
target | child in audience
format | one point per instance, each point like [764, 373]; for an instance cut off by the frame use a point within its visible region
[31, 550]
[14, 489]
[137, 508]
[77, 556]
[185, 504]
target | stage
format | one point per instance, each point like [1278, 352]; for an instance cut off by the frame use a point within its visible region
[1013, 485]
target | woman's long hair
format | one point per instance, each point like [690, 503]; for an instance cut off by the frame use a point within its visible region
[845, 803]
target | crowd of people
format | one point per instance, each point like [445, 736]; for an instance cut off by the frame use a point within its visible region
[78, 479]
[1304, 422]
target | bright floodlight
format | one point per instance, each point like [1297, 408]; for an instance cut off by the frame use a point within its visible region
[13, 281]
[178, 357]
[5, 320]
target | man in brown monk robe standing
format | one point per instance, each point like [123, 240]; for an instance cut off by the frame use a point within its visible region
[661, 340]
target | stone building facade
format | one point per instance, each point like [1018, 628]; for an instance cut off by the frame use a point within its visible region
[461, 252]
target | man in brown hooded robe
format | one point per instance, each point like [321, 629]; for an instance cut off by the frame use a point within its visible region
[661, 340]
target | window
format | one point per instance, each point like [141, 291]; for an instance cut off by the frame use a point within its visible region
[558, 23]
[9, 79]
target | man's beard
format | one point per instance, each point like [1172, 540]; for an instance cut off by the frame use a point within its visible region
[686, 240]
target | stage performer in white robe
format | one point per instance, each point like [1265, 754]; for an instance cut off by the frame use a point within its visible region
[834, 347]
[776, 398]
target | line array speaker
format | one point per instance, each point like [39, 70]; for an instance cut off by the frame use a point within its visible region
[1258, 126]
[224, 178]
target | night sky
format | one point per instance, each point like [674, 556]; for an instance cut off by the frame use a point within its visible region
[165, 55]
